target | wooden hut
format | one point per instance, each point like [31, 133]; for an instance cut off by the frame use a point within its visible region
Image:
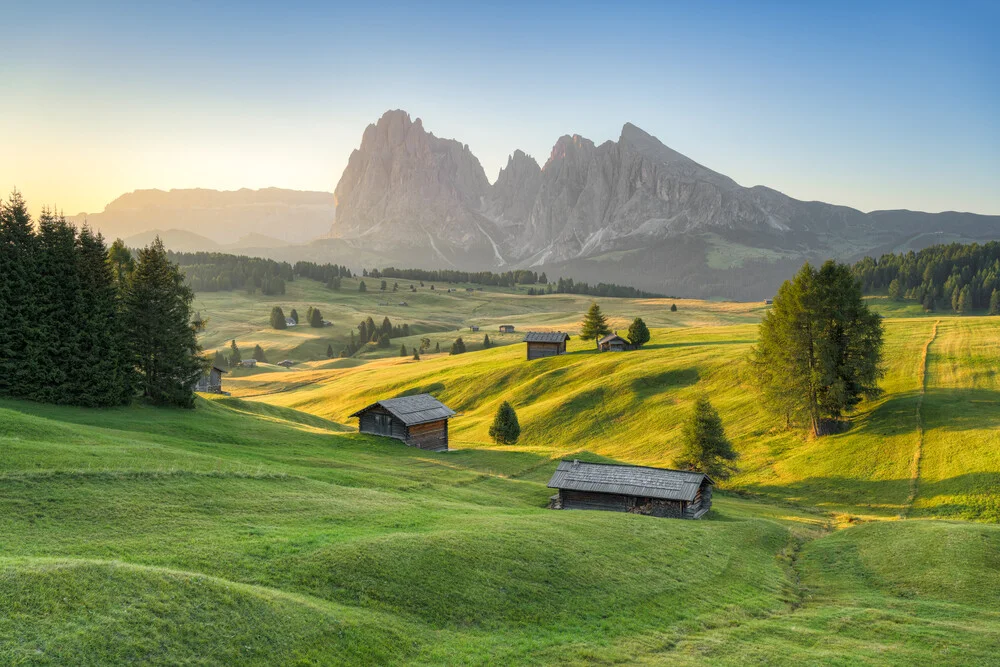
[659, 492]
[211, 382]
[419, 421]
[614, 343]
[506, 328]
[545, 343]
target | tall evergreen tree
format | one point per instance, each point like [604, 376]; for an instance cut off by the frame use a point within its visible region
[102, 375]
[258, 354]
[486, 341]
[638, 332]
[316, 318]
[329, 350]
[995, 302]
[361, 287]
[294, 315]
[458, 347]
[437, 346]
[505, 429]
[387, 326]
[235, 357]
[402, 350]
[819, 349]
[705, 447]
[673, 308]
[18, 323]
[121, 261]
[58, 311]
[416, 354]
[164, 345]
[595, 325]
[278, 318]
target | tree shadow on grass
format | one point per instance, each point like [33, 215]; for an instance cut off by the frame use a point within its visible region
[649, 385]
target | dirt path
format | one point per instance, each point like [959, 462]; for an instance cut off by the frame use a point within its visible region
[915, 464]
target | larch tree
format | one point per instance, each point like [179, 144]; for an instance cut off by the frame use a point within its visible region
[819, 349]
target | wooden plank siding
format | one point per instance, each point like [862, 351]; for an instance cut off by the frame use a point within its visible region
[432, 436]
[541, 350]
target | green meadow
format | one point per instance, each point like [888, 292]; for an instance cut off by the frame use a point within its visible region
[261, 528]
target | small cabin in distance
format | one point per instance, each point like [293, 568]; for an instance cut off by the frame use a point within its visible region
[419, 421]
[659, 492]
[506, 328]
[614, 343]
[545, 343]
[210, 382]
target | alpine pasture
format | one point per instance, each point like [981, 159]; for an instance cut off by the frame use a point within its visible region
[260, 528]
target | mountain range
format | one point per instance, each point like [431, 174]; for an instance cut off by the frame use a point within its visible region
[631, 211]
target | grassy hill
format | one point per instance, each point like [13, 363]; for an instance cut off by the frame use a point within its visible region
[262, 529]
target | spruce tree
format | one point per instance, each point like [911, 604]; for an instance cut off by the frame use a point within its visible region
[995, 302]
[258, 354]
[505, 429]
[158, 313]
[437, 346]
[57, 310]
[294, 315]
[278, 318]
[387, 326]
[595, 325]
[638, 332]
[316, 318]
[705, 447]
[673, 308]
[329, 350]
[486, 341]
[102, 375]
[361, 287]
[235, 358]
[18, 278]
[402, 350]
[458, 347]
[416, 354]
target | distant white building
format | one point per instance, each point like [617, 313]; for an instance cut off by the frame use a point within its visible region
[289, 322]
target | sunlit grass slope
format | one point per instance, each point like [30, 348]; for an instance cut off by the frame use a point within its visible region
[630, 406]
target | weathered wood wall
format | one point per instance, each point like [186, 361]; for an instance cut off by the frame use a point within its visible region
[366, 424]
[540, 350]
[432, 435]
[610, 502]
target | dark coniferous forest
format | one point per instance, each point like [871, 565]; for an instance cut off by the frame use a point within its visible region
[87, 327]
[957, 277]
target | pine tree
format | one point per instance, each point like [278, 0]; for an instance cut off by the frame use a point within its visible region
[458, 347]
[437, 346]
[964, 300]
[416, 354]
[316, 318]
[361, 287]
[294, 315]
[387, 326]
[278, 318]
[819, 349]
[383, 286]
[705, 447]
[329, 350]
[895, 291]
[505, 429]
[673, 308]
[595, 325]
[486, 341]
[638, 332]
[995, 302]
[18, 277]
[235, 358]
[163, 344]
[258, 354]
[402, 350]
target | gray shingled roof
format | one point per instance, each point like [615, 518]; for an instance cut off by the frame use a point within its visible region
[628, 480]
[411, 410]
[611, 337]
[545, 337]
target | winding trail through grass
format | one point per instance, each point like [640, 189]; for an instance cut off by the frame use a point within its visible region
[915, 464]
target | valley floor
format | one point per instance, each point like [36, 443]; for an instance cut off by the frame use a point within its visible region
[262, 529]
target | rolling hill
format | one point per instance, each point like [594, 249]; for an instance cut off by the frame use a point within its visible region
[262, 529]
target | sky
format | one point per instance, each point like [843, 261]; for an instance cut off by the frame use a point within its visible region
[874, 105]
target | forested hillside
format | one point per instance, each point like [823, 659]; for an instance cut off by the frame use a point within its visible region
[957, 277]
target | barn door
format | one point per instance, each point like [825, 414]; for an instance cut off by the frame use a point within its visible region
[383, 425]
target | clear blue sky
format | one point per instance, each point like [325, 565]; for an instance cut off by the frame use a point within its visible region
[873, 105]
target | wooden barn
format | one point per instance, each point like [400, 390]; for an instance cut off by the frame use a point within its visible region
[656, 492]
[211, 382]
[506, 328]
[614, 343]
[419, 421]
[545, 343]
